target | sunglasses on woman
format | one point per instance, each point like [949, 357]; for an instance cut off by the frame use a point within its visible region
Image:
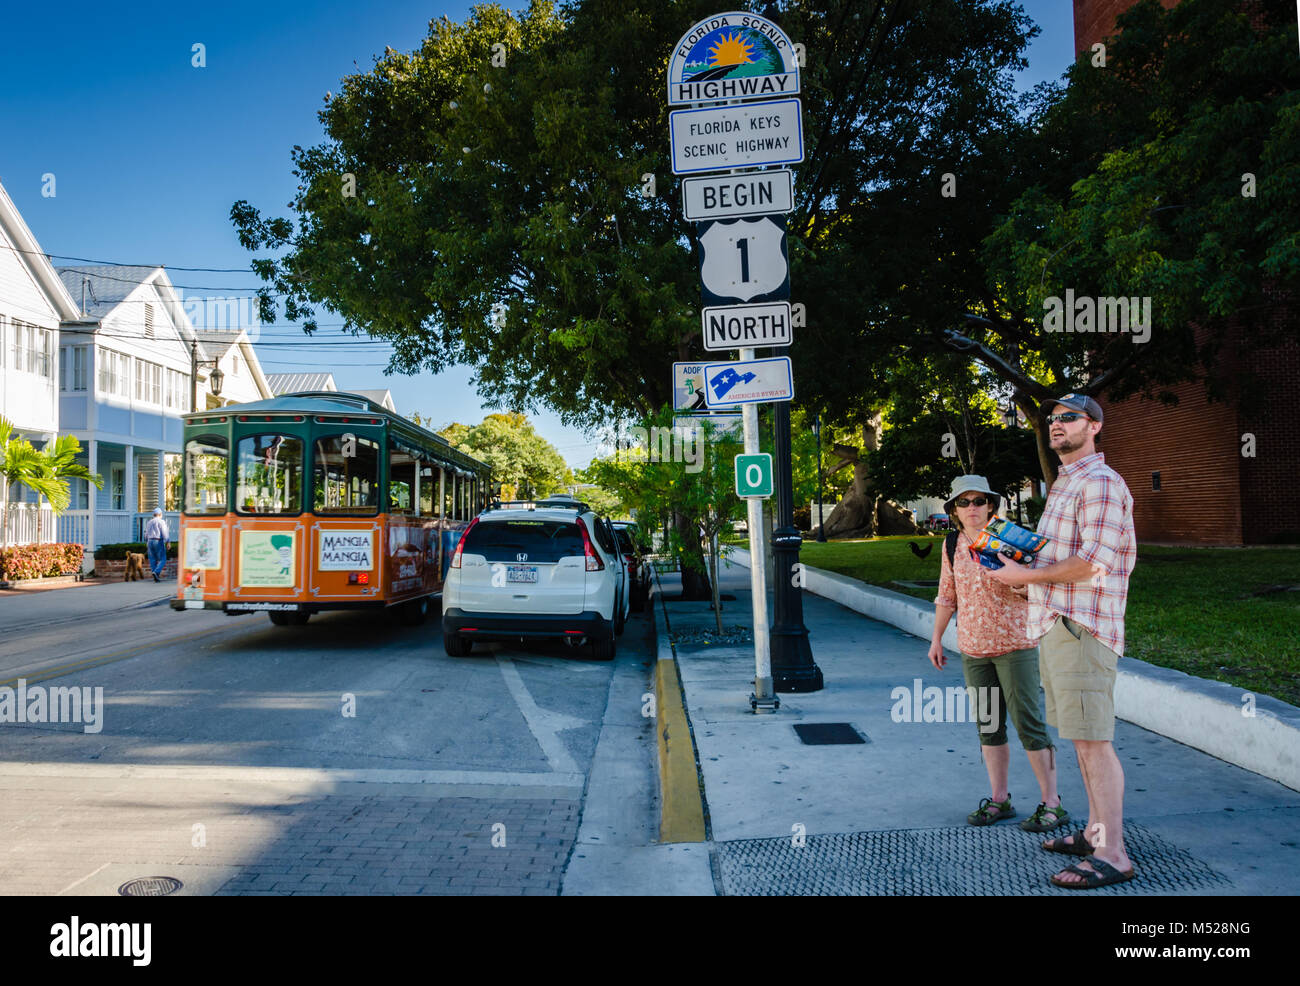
[977, 501]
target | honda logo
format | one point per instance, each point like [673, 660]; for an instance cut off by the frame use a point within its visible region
[521, 557]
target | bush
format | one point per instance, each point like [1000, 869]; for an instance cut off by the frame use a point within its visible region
[117, 552]
[38, 561]
[803, 518]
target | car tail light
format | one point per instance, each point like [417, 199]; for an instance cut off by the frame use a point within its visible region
[460, 545]
[594, 564]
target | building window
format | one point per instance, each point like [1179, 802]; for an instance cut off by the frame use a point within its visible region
[2, 340]
[177, 385]
[114, 373]
[79, 359]
[118, 484]
[1155, 481]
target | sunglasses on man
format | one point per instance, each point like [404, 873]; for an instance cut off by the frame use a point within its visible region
[977, 501]
[1066, 418]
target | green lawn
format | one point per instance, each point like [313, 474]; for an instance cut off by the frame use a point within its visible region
[1206, 611]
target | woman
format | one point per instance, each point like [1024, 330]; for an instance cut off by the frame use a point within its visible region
[996, 655]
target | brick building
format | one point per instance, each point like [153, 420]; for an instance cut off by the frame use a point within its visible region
[1189, 466]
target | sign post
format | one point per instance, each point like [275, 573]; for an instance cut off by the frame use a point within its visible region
[739, 74]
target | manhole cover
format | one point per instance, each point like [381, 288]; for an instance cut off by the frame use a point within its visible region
[948, 861]
[828, 733]
[150, 886]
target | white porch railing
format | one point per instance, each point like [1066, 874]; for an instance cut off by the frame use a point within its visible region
[74, 527]
[21, 523]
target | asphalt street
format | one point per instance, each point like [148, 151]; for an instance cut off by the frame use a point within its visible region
[347, 756]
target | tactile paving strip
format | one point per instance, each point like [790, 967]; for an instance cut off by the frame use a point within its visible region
[997, 860]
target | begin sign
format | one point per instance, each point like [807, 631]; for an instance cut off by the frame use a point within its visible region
[732, 196]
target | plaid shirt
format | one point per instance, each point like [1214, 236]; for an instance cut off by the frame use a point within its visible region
[1089, 513]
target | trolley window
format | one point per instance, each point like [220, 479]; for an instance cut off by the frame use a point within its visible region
[428, 489]
[269, 475]
[205, 474]
[345, 475]
[401, 479]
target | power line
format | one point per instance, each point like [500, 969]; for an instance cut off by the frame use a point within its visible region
[117, 263]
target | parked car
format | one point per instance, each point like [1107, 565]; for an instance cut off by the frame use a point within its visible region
[937, 522]
[549, 569]
[634, 558]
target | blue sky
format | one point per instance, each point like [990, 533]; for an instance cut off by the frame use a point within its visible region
[149, 153]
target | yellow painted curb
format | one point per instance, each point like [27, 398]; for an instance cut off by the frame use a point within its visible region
[681, 814]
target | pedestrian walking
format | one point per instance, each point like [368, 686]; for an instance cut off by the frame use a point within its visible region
[156, 536]
[999, 660]
[1078, 592]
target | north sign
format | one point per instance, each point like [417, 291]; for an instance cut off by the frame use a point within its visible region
[752, 381]
[761, 193]
[747, 326]
[751, 135]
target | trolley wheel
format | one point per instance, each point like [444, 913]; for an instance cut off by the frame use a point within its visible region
[279, 619]
[456, 645]
[415, 612]
[299, 619]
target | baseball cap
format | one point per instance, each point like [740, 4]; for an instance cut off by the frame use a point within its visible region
[1076, 402]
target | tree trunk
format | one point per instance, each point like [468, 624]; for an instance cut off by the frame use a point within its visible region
[717, 596]
[695, 578]
[1046, 457]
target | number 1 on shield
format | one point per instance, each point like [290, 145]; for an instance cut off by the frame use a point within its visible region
[743, 246]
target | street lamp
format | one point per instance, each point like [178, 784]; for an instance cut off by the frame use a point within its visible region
[1009, 419]
[214, 378]
[821, 515]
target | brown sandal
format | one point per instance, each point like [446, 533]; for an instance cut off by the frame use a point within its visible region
[1079, 847]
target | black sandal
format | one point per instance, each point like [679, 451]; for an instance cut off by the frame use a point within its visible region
[1103, 875]
[1079, 847]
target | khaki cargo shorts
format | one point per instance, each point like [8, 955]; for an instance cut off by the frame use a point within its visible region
[1078, 673]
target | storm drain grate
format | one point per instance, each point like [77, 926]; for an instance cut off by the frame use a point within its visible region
[150, 886]
[828, 733]
[961, 861]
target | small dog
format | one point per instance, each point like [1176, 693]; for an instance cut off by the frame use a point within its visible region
[134, 566]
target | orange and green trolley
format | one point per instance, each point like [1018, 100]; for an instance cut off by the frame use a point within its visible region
[319, 501]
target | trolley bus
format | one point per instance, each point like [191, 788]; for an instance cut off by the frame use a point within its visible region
[317, 501]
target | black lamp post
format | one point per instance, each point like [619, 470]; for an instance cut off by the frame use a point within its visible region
[214, 378]
[793, 668]
[821, 514]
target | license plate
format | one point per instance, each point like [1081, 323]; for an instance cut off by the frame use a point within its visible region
[521, 573]
[194, 604]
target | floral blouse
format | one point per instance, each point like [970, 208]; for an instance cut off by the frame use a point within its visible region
[990, 616]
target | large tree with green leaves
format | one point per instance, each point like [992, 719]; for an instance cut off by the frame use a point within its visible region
[523, 462]
[501, 215]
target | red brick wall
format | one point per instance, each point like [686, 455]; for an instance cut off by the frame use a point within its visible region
[1270, 481]
[1094, 20]
[1196, 448]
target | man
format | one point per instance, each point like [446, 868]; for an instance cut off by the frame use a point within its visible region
[155, 536]
[1077, 596]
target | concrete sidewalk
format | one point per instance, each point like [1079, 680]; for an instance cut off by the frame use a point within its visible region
[21, 608]
[888, 816]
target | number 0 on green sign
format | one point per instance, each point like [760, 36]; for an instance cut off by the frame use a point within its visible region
[754, 475]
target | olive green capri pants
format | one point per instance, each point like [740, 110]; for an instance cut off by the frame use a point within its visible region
[1007, 683]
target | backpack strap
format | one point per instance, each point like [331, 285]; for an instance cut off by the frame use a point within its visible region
[950, 548]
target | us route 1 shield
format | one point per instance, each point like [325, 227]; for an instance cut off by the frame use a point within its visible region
[719, 138]
[743, 260]
[753, 381]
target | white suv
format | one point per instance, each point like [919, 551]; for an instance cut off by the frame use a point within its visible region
[544, 570]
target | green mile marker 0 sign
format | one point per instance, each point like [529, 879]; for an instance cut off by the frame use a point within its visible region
[754, 475]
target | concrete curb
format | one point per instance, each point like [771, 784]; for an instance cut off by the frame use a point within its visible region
[681, 808]
[1206, 715]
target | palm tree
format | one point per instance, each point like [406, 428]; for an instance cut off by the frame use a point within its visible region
[57, 465]
[19, 463]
